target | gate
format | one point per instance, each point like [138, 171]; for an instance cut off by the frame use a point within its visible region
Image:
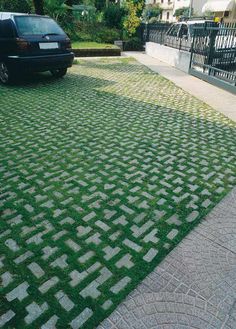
[213, 55]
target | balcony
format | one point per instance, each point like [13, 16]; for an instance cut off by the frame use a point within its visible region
[167, 5]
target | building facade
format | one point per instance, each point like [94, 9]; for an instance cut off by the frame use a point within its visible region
[169, 7]
[223, 10]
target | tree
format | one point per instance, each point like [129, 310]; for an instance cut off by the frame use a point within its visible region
[100, 4]
[39, 7]
[15, 6]
[151, 11]
[58, 9]
[113, 16]
[133, 20]
[69, 4]
[184, 11]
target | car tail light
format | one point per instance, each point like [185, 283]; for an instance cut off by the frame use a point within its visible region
[22, 44]
[68, 44]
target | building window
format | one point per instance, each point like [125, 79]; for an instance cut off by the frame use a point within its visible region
[167, 15]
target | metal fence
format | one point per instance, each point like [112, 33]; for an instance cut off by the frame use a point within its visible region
[213, 55]
[155, 32]
[212, 46]
[178, 43]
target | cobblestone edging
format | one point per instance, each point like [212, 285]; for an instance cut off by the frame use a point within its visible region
[90, 52]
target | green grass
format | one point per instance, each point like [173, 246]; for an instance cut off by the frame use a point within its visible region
[92, 45]
[112, 162]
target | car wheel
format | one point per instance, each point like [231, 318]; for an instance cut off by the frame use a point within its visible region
[59, 73]
[5, 75]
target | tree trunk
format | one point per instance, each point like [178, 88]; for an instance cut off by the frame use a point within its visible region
[69, 3]
[38, 5]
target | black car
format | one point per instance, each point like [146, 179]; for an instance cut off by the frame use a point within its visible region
[32, 43]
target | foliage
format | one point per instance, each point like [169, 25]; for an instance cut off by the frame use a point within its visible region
[56, 8]
[132, 20]
[209, 14]
[107, 35]
[154, 20]
[97, 32]
[84, 13]
[100, 4]
[38, 6]
[151, 11]
[133, 43]
[184, 11]
[15, 5]
[113, 16]
[85, 23]
[140, 6]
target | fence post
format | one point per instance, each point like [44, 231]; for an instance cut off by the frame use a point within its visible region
[211, 50]
[147, 32]
[192, 49]
[142, 33]
[180, 43]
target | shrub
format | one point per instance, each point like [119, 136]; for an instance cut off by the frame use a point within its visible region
[15, 6]
[154, 20]
[113, 16]
[95, 32]
[100, 4]
[184, 11]
[134, 43]
[151, 11]
[107, 35]
[85, 13]
[132, 19]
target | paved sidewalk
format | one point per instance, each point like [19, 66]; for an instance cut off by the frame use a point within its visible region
[195, 286]
[217, 98]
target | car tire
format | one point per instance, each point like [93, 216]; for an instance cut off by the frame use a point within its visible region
[59, 73]
[5, 74]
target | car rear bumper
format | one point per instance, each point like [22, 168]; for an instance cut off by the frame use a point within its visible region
[40, 63]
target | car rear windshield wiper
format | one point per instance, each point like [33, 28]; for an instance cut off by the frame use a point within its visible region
[47, 34]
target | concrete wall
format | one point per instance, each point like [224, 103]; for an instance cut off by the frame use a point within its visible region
[177, 58]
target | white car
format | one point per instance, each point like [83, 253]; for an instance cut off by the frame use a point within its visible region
[183, 32]
[180, 35]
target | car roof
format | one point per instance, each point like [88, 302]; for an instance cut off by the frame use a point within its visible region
[5, 14]
[194, 22]
[198, 22]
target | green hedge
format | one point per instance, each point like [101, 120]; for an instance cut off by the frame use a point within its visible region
[97, 32]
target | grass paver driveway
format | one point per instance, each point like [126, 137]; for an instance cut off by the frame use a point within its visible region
[102, 174]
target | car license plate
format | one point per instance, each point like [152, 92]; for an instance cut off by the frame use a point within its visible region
[48, 45]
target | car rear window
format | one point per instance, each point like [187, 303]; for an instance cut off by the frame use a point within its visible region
[33, 25]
